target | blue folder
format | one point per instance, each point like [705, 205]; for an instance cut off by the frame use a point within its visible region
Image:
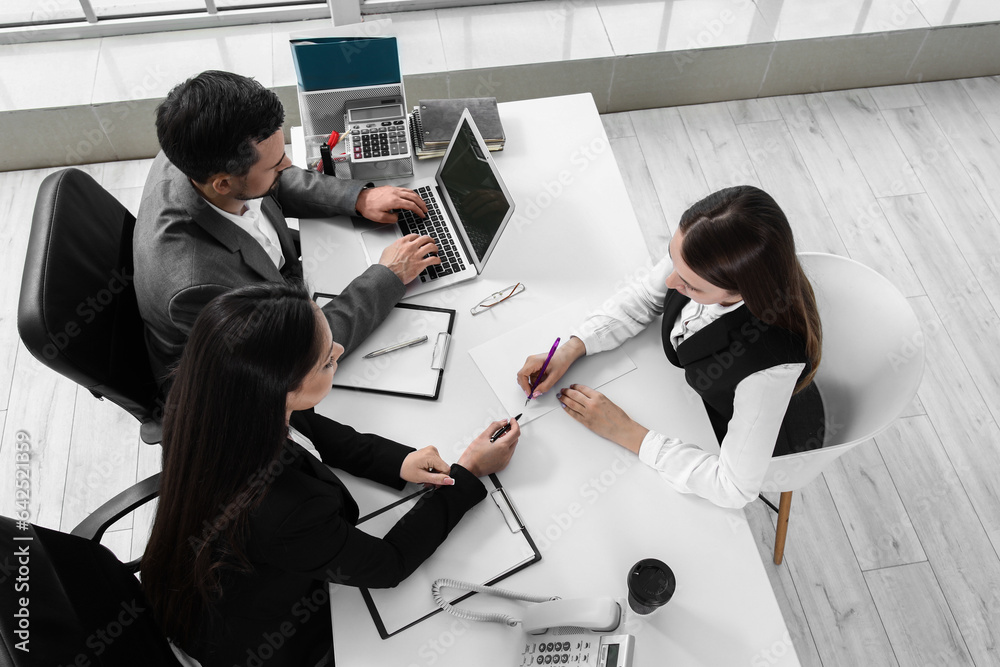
[323, 63]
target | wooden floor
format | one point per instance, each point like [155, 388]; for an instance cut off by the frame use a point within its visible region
[892, 554]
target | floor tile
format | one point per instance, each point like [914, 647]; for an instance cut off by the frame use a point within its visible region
[806, 20]
[516, 34]
[650, 26]
[18, 11]
[127, 71]
[69, 68]
[916, 616]
[953, 12]
[421, 49]
[965, 563]
[877, 525]
[896, 97]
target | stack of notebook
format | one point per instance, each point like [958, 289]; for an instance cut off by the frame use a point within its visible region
[432, 123]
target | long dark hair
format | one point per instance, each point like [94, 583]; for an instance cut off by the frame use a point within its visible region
[223, 427]
[739, 239]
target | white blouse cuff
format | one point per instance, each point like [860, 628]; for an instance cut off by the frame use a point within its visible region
[651, 446]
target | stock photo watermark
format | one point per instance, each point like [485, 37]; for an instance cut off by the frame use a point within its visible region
[19, 565]
[551, 189]
[111, 117]
[774, 653]
[302, 611]
[589, 492]
[87, 310]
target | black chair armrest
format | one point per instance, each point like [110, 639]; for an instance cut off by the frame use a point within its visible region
[151, 431]
[140, 493]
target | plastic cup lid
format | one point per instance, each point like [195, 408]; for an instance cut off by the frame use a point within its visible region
[651, 582]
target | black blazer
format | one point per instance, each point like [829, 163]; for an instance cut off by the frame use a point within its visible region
[303, 536]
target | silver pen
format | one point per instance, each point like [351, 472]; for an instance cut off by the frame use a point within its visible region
[397, 346]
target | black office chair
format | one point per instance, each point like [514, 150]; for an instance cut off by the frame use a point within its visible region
[66, 600]
[77, 312]
[78, 315]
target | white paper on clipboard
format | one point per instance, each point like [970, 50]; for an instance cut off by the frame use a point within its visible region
[411, 371]
[489, 543]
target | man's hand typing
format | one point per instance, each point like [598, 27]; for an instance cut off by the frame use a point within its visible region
[380, 204]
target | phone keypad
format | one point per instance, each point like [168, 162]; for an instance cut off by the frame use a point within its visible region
[579, 652]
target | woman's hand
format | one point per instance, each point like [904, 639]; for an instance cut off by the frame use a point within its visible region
[425, 466]
[564, 357]
[483, 457]
[595, 411]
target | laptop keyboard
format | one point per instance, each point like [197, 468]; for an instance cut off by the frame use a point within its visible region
[434, 227]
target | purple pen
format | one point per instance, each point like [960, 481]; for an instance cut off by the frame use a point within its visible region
[541, 372]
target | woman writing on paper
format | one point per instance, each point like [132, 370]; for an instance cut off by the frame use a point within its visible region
[740, 318]
[251, 525]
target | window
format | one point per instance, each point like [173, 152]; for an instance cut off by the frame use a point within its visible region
[45, 20]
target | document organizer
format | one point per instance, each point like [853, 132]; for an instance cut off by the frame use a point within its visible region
[323, 63]
[489, 544]
[417, 371]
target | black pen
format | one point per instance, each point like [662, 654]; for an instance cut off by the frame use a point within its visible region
[503, 429]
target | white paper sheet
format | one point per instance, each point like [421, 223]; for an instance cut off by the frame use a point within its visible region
[500, 359]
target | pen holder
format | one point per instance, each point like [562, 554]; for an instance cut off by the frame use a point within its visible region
[314, 156]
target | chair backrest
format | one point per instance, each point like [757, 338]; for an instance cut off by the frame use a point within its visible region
[873, 360]
[77, 311]
[81, 605]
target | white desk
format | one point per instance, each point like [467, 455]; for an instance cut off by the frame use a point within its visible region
[592, 507]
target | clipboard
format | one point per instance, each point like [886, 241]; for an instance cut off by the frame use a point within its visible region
[414, 372]
[489, 544]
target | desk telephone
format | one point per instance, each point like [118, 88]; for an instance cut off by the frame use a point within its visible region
[576, 632]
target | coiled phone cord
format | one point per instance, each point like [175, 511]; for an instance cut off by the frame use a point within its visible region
[487, 590]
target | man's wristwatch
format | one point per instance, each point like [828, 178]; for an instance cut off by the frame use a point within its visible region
[367, 186]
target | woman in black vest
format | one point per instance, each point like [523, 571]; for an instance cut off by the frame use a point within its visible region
[740, 318]
[251, 525]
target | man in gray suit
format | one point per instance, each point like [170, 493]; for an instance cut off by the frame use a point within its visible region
[212, 216]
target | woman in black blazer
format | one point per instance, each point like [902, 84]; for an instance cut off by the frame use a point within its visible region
[251, 525]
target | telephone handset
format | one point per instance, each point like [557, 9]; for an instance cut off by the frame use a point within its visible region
[557, 631]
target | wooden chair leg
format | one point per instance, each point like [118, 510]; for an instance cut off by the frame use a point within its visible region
[784, 507]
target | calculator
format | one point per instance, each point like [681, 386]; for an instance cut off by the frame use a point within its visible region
[376, 130]
[578, 650]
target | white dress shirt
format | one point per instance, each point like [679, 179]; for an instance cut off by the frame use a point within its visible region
[256, 224]
[298, 437]
[733, 478]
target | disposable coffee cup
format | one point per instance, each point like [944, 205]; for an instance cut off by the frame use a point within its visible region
[650, 584]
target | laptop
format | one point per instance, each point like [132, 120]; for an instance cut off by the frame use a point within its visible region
[468, 208]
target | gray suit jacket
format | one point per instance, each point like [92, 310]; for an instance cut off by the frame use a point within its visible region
[186, 254]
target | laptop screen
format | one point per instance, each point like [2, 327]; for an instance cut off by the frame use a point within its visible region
[479, 198]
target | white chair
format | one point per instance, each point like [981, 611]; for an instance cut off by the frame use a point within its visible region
[873, 360]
